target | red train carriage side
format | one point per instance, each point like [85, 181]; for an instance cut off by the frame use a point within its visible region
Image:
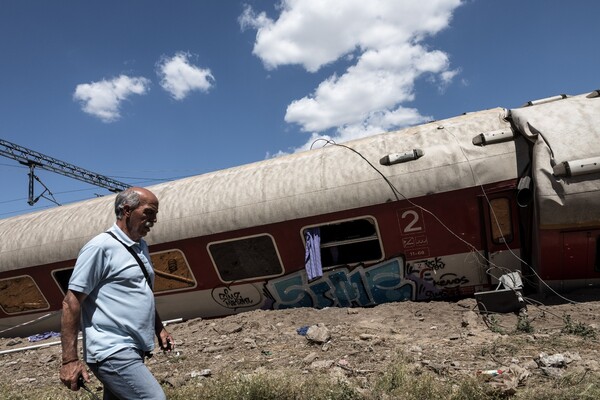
[443, 221]
[564, 133]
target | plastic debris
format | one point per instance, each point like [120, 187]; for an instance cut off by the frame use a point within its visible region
[302, 330]
[43, 336]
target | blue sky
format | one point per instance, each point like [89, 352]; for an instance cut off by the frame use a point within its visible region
[147, 91]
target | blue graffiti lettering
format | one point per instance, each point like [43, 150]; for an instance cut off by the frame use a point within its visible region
[381, 283]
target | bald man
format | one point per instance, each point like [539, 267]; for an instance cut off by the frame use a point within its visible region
[110, 298]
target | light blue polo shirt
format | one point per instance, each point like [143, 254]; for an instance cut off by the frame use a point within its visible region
[118, 311]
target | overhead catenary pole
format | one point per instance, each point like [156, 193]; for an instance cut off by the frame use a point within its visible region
[33, 159]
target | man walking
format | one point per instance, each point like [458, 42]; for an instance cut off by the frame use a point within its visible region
[110, 295]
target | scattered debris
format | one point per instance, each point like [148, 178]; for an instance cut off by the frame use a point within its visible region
[356, 345]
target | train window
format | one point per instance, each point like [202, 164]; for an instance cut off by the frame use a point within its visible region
[62, 277]
[21, 294]
[171, 271]
[597, 261]
[349, 242]
[500, 218]
[246, 258]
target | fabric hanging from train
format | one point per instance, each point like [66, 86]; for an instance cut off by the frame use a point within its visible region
[312, 255]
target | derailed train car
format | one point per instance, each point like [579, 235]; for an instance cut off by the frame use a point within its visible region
[440, 210]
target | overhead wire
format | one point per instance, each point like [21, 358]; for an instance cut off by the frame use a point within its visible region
[473, 248]
[495, 218]
[132, 180]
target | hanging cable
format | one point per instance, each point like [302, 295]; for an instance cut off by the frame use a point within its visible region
[473, 249]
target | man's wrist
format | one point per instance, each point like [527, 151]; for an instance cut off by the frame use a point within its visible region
[69, 361]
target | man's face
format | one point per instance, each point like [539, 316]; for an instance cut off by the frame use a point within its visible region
[142, 218]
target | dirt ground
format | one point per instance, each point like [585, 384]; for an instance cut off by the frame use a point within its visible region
[451, 339]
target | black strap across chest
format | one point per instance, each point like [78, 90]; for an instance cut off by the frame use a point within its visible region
[137, 258]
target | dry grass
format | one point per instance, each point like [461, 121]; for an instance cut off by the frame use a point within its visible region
[402, 379]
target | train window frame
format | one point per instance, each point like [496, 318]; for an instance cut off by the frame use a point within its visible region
[597, 254]
[64, 289]
[58, 281]
[376, 236]
[497, 234]
[276, 255]
[157, 275]
[29, 311]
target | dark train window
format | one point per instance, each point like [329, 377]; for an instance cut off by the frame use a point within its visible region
[597, 260]
[21, 294]
[349, 242]
[501, 221]
[62, 278]
[171, 271]
[246, 258]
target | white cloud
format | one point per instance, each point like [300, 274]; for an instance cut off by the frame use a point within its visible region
[383, 38]
[179, 77]
[103, 99]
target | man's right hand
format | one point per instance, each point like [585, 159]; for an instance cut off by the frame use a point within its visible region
[70, 373]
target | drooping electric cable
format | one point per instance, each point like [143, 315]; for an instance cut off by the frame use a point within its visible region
[473, 249]
[495, 219]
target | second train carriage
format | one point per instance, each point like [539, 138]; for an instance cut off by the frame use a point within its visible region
[475, 197]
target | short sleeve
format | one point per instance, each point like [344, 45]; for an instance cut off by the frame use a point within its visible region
[89, 269]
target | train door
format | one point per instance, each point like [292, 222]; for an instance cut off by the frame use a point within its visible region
[501, 232]
[581, 255]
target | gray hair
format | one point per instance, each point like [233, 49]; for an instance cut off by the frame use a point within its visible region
[128, 197]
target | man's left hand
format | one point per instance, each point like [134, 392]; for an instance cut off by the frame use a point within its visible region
[165, 340]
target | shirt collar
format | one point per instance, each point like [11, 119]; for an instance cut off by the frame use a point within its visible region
[122, 236]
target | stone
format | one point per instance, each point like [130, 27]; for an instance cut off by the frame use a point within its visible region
[318, 334]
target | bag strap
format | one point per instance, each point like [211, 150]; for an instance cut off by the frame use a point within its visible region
[134, 254]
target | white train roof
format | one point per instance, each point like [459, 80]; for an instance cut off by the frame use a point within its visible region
[319, 181]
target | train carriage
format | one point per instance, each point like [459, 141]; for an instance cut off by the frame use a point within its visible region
[439, 210]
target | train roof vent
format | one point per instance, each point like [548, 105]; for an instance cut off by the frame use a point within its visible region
[396, 158]
[577, 167]
[545, 100]
[498, 136]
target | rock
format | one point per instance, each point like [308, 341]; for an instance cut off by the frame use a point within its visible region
[325, 364]
[310, 358]
[415, 349]
[556, 361]
[539, 336]
[175, 381]
[318, 334]
[201, 373]
[228, 329]
[48, 359]
[216, 349]
[469, 319]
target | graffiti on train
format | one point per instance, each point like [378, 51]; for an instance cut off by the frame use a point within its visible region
[431, 279]
[243, 296]
[359, 287]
